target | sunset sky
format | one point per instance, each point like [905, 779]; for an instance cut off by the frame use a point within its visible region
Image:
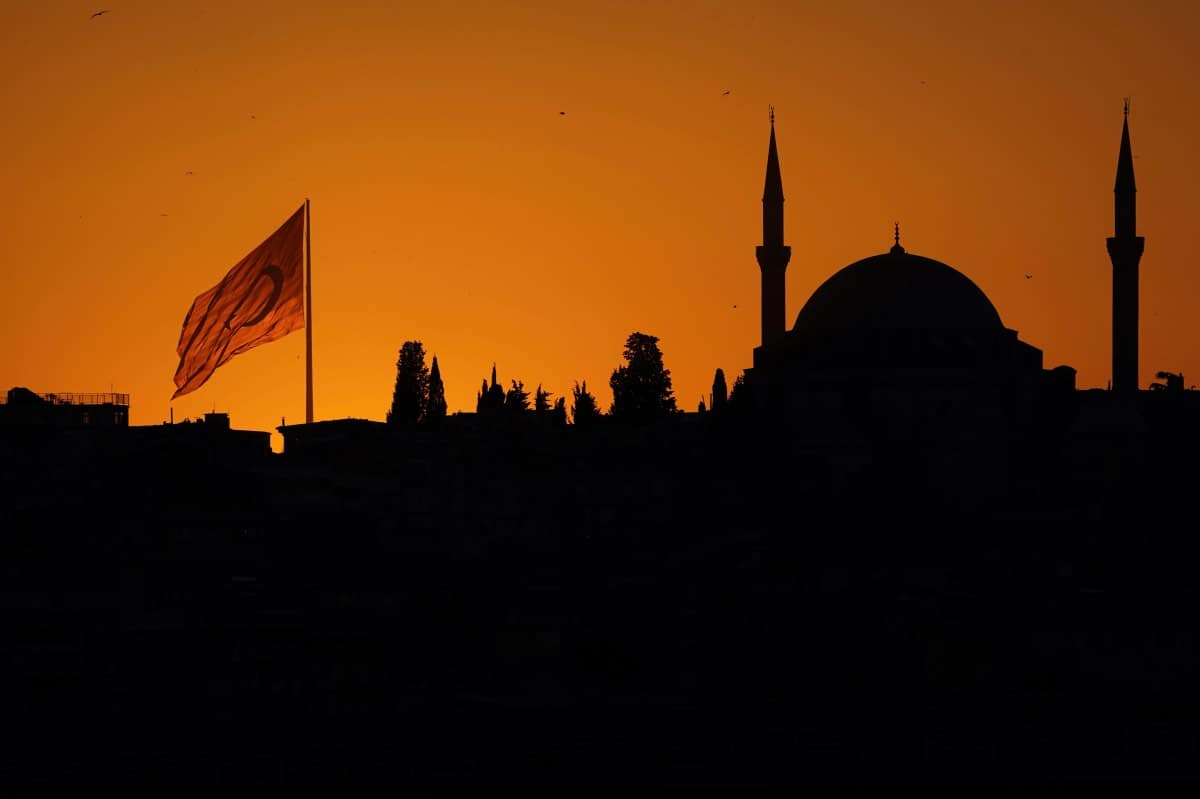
[147, 150]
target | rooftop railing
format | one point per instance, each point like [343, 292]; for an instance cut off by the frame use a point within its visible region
[64, 398]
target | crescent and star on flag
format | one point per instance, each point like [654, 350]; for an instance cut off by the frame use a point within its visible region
[261, 299]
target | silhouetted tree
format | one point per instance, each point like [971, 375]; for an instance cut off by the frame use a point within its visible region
[584, 409]
[740, 398]
[411, 393]
[720, 394]
[642, 387]
[516, 401]
[435, 409]
[1168, 381]
[546, 413]
[490, 399]
[496, 393]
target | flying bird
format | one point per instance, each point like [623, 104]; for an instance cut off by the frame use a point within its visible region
[562, 113]
[98, 14]
[188, 172]
[1027, 277]
[727, 91]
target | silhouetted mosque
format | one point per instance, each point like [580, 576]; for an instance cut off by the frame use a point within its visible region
[901, 362]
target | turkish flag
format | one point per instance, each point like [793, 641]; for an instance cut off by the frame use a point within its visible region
[261, 299]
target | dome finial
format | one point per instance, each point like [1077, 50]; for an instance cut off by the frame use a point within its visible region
[896, 248]
[771, 111]
[1127, 108]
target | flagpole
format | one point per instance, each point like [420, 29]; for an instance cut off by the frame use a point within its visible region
[308, 395]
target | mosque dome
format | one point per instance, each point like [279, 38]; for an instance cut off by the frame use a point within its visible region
[898, 291]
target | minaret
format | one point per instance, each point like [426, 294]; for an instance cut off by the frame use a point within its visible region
[1125, 250]
[773, 256]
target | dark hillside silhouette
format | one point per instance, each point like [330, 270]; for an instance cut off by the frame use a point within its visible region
[669, 599]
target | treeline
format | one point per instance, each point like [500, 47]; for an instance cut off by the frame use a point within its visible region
[641, 391]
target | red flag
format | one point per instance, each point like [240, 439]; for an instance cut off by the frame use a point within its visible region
[261, 299]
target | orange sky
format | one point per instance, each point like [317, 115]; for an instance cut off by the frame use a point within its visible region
[453, 203]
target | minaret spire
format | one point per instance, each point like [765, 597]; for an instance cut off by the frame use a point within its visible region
[1125, 249]
[773, 255]
[773, 185]
[1125, 187]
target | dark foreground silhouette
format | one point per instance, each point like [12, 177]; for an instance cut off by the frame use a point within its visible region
[668, 608]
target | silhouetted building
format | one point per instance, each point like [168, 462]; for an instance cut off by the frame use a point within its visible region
[210, 438]
[335, 439]
[25, 408]
[95, 429]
